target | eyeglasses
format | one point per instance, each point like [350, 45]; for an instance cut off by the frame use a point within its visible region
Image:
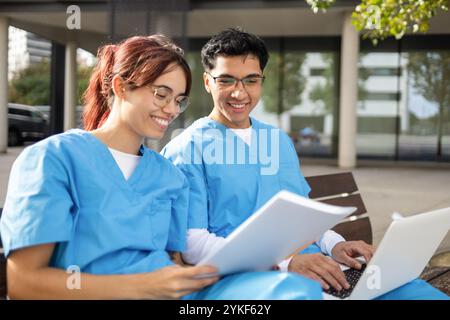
[250, 82]
[164, 95]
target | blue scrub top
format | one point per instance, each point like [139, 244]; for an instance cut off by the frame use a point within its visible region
[225, 193]
[69, 190]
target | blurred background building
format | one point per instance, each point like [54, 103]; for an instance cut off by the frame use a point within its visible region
[26, 48]
[393, 109]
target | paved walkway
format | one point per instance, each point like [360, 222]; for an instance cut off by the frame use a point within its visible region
[408, 188]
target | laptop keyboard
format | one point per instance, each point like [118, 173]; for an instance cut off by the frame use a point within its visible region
[352, 276]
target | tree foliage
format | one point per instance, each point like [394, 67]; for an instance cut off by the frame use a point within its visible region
[31, 85]
[283, 76]
[324, 92]
[379, 19]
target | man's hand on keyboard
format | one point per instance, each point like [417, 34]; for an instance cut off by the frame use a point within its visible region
[346, 252]
[319, 268]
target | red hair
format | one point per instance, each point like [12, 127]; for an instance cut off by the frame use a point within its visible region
[139, 61]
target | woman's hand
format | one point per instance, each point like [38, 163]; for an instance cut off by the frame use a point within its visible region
[173, 282]
[30, 277]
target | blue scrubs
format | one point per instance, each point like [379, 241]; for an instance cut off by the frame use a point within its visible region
[226, 190]
[68, 190]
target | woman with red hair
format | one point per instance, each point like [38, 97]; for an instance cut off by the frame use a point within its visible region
[97, 204]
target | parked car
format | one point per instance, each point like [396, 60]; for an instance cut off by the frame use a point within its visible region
[25, 123]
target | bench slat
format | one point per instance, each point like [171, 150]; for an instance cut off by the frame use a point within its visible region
[442, 282]
[429, 273]
[331, 184]
[353, 200]
[355, 230]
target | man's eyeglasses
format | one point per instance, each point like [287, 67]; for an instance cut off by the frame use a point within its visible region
[164, 95]
[249, 82]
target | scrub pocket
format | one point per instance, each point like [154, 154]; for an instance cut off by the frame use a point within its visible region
[160, 216]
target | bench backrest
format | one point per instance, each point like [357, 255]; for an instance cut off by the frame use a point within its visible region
[341, 189]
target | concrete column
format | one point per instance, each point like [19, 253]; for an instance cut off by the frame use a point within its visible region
[348, 94]
[4, 24]
[70, 86]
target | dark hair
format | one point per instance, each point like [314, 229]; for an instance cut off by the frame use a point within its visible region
[233, 42]
[139, 61]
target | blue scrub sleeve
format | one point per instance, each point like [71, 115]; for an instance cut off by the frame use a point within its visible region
[38, 201]
[198, 196]
[183, 159]
[292, 153]
[178, 221]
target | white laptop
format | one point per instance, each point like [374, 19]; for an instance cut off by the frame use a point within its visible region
[284, 224]
[403, 253]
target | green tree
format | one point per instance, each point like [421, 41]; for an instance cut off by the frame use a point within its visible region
[379, 19]
[31, 85]
[430, 72]
[283, 78]
[325, 92]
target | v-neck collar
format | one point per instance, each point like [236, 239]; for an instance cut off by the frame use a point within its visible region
[251, 149]
[222, 127]
[113, 168]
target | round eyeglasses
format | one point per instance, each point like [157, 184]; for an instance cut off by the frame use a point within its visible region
[164, 95]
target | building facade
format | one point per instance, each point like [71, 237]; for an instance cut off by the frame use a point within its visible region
[336, 94]
[26, 48]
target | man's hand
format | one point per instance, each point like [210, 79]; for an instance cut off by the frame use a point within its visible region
[345, 253]
[319, 268]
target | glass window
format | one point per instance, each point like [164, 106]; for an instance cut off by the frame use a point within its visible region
[307, 110]
[20, 112]
[425, 121]
[378, 104]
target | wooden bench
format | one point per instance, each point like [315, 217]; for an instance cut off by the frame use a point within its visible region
[337, 189]
[341, 189]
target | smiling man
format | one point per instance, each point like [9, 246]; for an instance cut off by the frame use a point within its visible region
[224, 157]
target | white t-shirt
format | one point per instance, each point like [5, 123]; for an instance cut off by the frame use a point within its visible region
[127, 162]
[244, 134]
